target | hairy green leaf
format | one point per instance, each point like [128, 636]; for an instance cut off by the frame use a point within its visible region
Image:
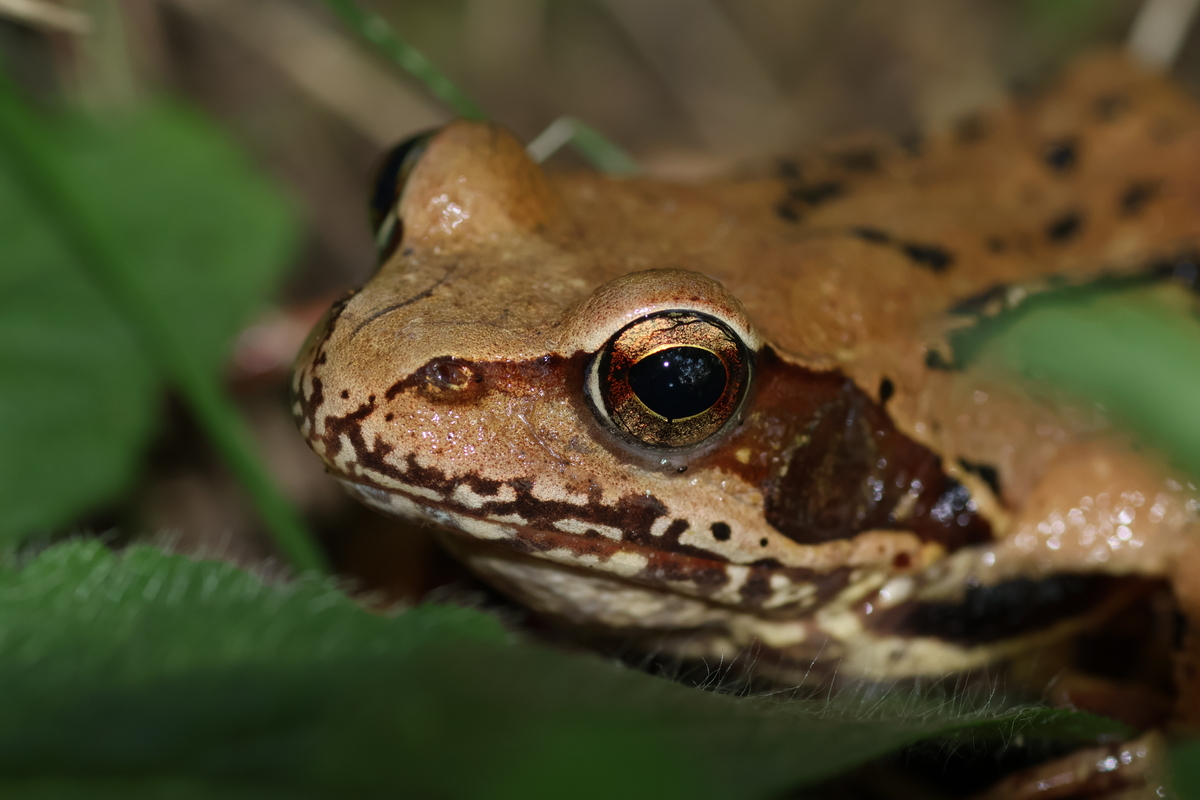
[143, 673]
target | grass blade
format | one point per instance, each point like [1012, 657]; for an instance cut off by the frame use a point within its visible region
[376, 30]
[590, 143]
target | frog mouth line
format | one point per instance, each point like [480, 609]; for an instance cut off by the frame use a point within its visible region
[1020, 611]
[765, 585]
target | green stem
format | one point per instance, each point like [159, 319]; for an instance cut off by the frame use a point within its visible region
[600, 152]
[376, 30]
[21, 144]
[587, 141]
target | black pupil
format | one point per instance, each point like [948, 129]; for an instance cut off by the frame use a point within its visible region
[679, 382]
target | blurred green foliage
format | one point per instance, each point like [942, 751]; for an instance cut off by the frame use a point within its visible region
[177, 240]
[79, 395]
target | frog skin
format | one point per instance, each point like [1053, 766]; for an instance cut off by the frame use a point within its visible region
[831, 486]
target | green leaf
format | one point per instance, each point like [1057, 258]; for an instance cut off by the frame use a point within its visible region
[1183, 767]
[132, 248]
[210, 238]
[376, 30]
[77, 398]
[136, 674]
[1137, 353]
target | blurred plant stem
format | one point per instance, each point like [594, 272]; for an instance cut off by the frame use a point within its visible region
[376, 30]
[25, 148]
[587, 141]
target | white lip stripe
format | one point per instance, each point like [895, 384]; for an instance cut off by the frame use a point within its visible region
[660, 526]
[579, 527]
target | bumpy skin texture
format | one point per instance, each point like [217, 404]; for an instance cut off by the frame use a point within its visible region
[870, 487]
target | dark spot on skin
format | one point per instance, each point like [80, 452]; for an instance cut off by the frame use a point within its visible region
[886, 390]
[817, 193]
[721, 531]
[1136, 196]
[1063, 229]
[935, 360]
[902, 561]
[993, 613]
[762, 542]
[986, 472]
[786, 212]
[934, 258]
[1060, 156]
[970, 129]
[861, 160]
[872, 235]
[388, 417]
[408, 251]
[345, 394]
[995, 244]
[930, 256]
[1109, 106]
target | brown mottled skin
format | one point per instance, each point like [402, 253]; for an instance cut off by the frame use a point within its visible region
[868, 483]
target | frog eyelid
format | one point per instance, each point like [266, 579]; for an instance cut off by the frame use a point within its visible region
[638, 295]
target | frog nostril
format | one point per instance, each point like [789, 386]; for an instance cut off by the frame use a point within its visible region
[448, 374]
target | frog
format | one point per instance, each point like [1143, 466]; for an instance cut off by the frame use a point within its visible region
[722, 415]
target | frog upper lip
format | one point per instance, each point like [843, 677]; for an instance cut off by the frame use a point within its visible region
[662, 568]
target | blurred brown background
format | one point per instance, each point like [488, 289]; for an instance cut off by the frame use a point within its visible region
[689, 87]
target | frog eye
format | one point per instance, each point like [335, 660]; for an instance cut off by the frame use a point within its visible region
[673, 379]
[390, 178]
